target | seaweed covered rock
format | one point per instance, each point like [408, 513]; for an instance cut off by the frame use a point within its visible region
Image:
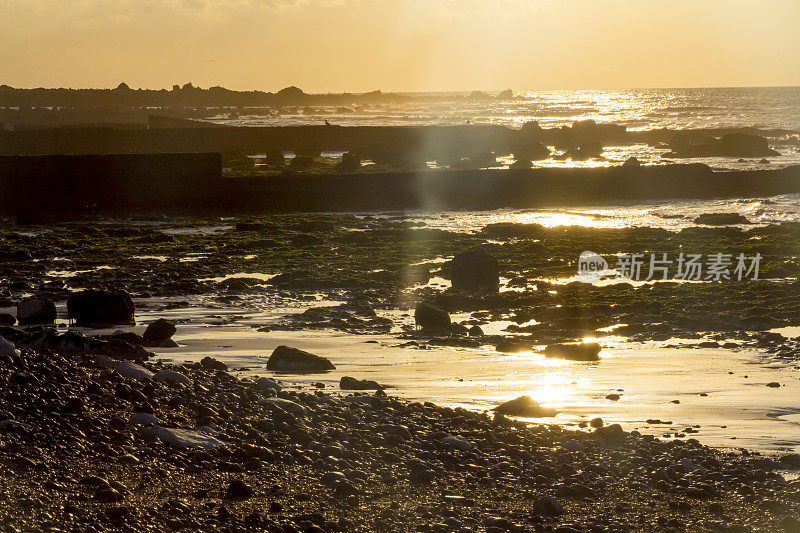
[578, 351]
[96, 308]
[429, 316]
[36, 311]
[159, 332]
[288, 359]
[351, 383]
[474, 270]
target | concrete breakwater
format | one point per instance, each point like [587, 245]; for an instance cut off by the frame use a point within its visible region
[39, 187]
[491, 189]
[175, 183]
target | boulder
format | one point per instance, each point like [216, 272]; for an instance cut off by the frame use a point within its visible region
[36, 311]
[350, 163]
[457, 442]
[350, 383]
[274, 158]
[265, 384]
[525, 406]
[7, 319]
[721, 219]
[6, 348]
[203, 438]
[475, 331]
[126, 369]
[474, 270]
[574, 351]
[288, 406]
[166, 375]
[302, 162]
[209, 363]
[287, 359]
[96, 308]
[611, 434]
[512, 346]
[428, 316]
[158, 332]
[632, 161]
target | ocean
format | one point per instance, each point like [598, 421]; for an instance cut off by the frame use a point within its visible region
[637, 109]
[767, 108]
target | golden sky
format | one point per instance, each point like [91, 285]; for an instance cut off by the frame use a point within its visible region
[400, 45]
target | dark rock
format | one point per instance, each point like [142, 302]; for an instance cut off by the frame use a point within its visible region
[580, 351]
[511, 346]
[95, 308]
[473, 270]
[238, 490]
[287, 359]
[118, 513]
[275, 158]
[158, 332]
[721, 219]
[773, 384]
[525, 406]
[350, 163]
[7, 319]
[475, 331]
[791, 460]
[302, 163]
[350, 383]
[729, 145]
[106, 494]
[36, 311]
[209, 363]
[548, 506]
[428, 316]
[632, 162]
[611, 434]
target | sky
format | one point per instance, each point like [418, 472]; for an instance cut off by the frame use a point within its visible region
[400, 45]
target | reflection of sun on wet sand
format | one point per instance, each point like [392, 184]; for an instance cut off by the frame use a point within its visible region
[648, 377]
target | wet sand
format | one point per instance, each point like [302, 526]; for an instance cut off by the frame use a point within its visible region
[724, 400]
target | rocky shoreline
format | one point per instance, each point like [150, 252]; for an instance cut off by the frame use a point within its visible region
[95, 436]
[90, 443]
